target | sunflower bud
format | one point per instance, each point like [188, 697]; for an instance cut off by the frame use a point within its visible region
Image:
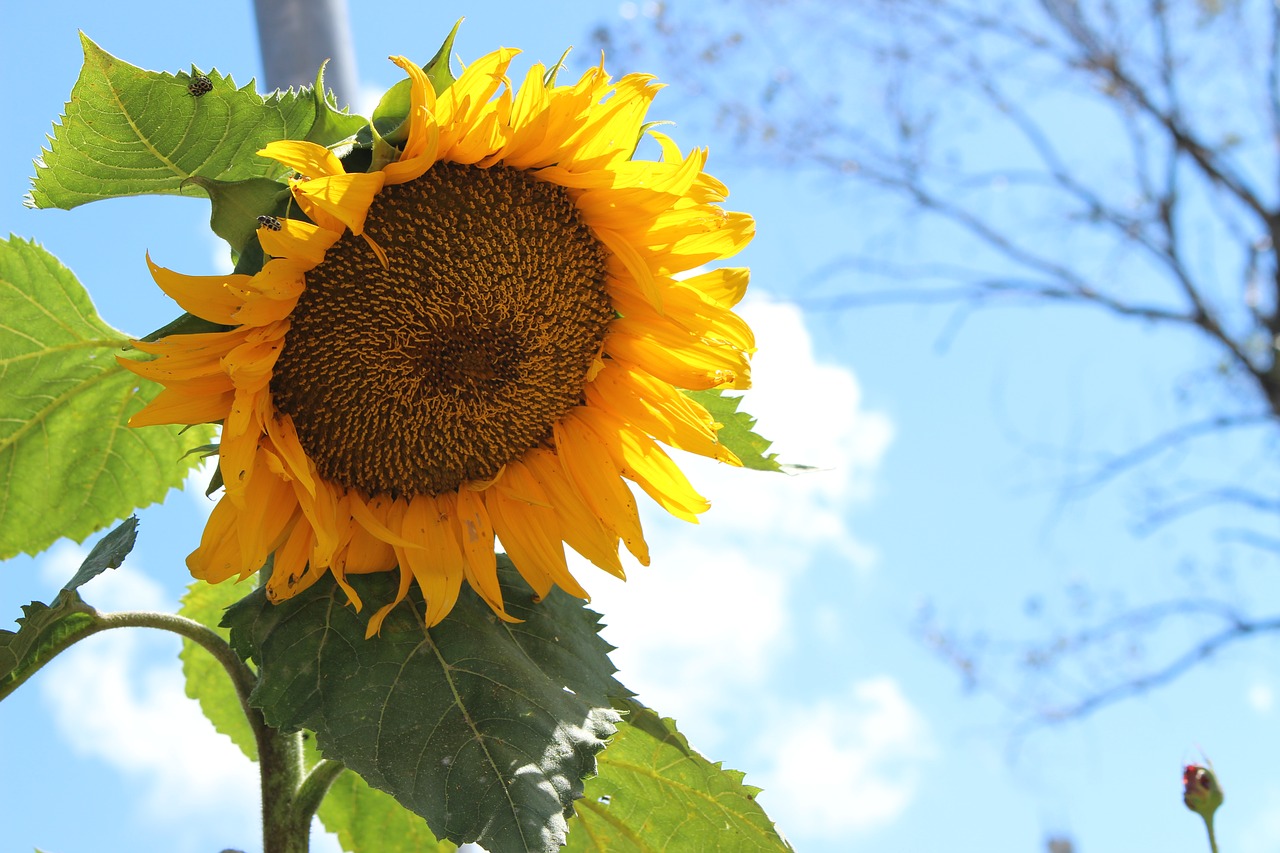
[1201, 791]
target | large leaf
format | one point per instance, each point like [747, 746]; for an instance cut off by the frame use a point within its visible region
[738, 433]
[69, 464]
[484, 728]
[43, 631]
[365, 818]
[207, 682]
[655, 793]
[362, 817]
[128, 131]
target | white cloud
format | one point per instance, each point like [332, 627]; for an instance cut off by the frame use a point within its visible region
[814, 415]
[1261, 697]
[111, 703]
[710, 619]
[845, 765]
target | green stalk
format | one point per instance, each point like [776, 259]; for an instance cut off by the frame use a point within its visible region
[1213, 842]
[286, 827]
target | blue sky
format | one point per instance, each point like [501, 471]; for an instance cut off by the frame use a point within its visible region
[778, 632]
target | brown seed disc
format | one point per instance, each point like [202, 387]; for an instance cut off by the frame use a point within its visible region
[461, 354]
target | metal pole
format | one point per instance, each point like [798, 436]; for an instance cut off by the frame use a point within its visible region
[296, 36]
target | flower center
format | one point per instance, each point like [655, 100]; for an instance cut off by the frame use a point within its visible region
[459, 355]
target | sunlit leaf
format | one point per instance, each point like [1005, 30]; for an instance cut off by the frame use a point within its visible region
[69, 464]
[738, 433]
[655, 793]
[128, 131]
[484, 728]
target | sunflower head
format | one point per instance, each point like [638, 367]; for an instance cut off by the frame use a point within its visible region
[483, 336]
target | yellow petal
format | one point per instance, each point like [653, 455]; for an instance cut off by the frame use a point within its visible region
[424, 134]
[525, 521]
[344, 197]
[639, 458]
[290, 571]
[725, 286]
[657, 408]
[582, 530]
[439, 566]
[176, 406]
[205, 296]
[592, 469]
[284, 441]
[307, 158]
[299, 241]
[218, 556]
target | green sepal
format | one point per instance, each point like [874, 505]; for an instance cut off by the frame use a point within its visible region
[389, 116]
[127, 131]
[186, 324]
[238, 204]
[69, 462]
[109, 553]
[332, 125]
[204, 451]
[485, 728]
[382, 152]
[438, 70]
[549, 78]
[215, 482]
[655, 792]
[738, 431]
[251, 258]
[44, 630]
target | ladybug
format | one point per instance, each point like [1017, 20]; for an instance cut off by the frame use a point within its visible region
[269, 222]
[200, 85]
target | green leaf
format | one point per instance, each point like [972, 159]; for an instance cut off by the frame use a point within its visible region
[738, 434]
[127, 131]
[69, 464]
[331, 124]
[655, 793]
[484, 728]
[207, 681]
[365, 818]
[43, 631]
[109, 553]
[238, 204]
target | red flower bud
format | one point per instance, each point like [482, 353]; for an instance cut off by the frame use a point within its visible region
[1200, 790]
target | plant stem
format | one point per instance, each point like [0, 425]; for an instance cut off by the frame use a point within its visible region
[286, 828]
[242, 678]
[316, 785]
[1213, 842]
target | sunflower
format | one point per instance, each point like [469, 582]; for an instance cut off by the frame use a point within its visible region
[483, 337]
